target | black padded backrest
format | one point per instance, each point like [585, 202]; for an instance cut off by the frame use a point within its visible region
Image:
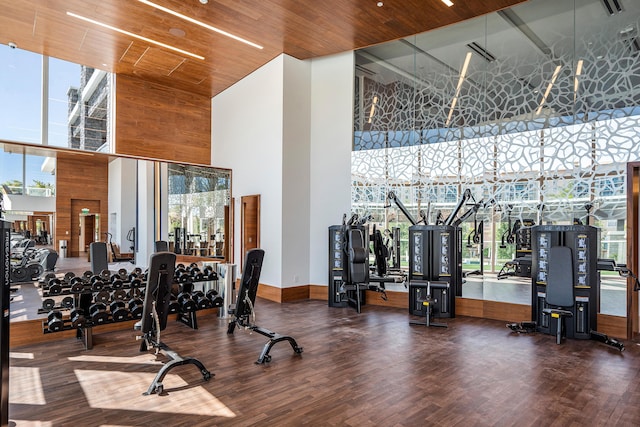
[99, 260]
[249, 282]
[161, 246]
[560, 277]
[358, 256]
[162, 267]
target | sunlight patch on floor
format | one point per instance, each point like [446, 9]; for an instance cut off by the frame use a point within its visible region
[25, 386]
[123, 390]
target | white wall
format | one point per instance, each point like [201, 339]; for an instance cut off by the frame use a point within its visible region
[332, 87]
[145, 230]
[17, 202]
[286, 132]
[122, 200]
[246, 136]
[295, 176]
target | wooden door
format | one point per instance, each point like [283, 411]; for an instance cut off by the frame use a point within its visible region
[249, 224]
[77, 205]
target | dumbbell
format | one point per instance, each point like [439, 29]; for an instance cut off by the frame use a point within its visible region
[210, 273]
[122, 273]
[174, 306]
[187, 304]
[78, 320]
[119, 311]
[117, 283]
[55, 286]
[87, 275]
[77, 285]
[135, 307]
[48, 303]
[98, 313]
[96, 283]
[105, 275]
[216, 300]
[67, 302]
[136, 283]
[118, 294]
[201, 300]
[102, 296]
[137, 271]
[54, 321]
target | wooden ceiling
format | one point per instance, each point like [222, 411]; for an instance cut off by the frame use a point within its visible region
[300, 28]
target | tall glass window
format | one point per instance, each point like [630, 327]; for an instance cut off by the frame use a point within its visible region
[20, 95]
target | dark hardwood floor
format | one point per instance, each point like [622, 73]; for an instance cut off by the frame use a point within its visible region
[371, 369]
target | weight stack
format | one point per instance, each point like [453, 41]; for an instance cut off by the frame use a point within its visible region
[584, 241]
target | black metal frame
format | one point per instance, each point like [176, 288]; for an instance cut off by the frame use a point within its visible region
[245, 303]
[154, 319]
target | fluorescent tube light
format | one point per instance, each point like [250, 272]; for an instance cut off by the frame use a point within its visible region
[448, 2]
[200, 23]
[130, 34]
[546, 92]
[463, 74]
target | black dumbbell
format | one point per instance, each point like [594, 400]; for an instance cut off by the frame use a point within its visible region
[98, 313]
[48, 303]
[77, 318]
[119, 311]
[67, 302]
[174, 306]
[136, 283]
[77, 285]
[216, 300]
[201, 300]
[122, 273]
[87, 275]
[117, 283]
[118, 294]
[54, 321]
[105, 275]
[69, 275]
[137, 271]
[102, 296]
[187, 304]
[55, 286]
[135, 307]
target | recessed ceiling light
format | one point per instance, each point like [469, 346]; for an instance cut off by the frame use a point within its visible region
[204, 1]
[202, 24]
[130, 34]
[380, 4]
[448, 2]
[177, 32]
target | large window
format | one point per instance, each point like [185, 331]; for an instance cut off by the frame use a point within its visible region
[535, 107]
[53, 102]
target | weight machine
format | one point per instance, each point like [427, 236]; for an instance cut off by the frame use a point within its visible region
[154, 318]
[243, 311]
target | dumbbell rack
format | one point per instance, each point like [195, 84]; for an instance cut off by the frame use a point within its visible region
[87, 297]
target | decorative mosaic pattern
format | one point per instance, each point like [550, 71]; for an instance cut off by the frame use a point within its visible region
[547, 165]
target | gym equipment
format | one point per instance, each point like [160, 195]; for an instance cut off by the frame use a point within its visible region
[429, 303]
[161, 246]
[154, 318]
[78, 320]
[114, 255]
[54, 321]
[5, 298]
[98, 253]
[98, 313]
[118, 311]
[520, 235]
[559, 297]
[584, 243]
[243, 311]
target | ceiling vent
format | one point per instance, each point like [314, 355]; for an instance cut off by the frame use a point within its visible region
[481, 51]
[612, 6]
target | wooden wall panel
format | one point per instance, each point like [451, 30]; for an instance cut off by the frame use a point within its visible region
[80, 177]
[614, 326]
[160, 122]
